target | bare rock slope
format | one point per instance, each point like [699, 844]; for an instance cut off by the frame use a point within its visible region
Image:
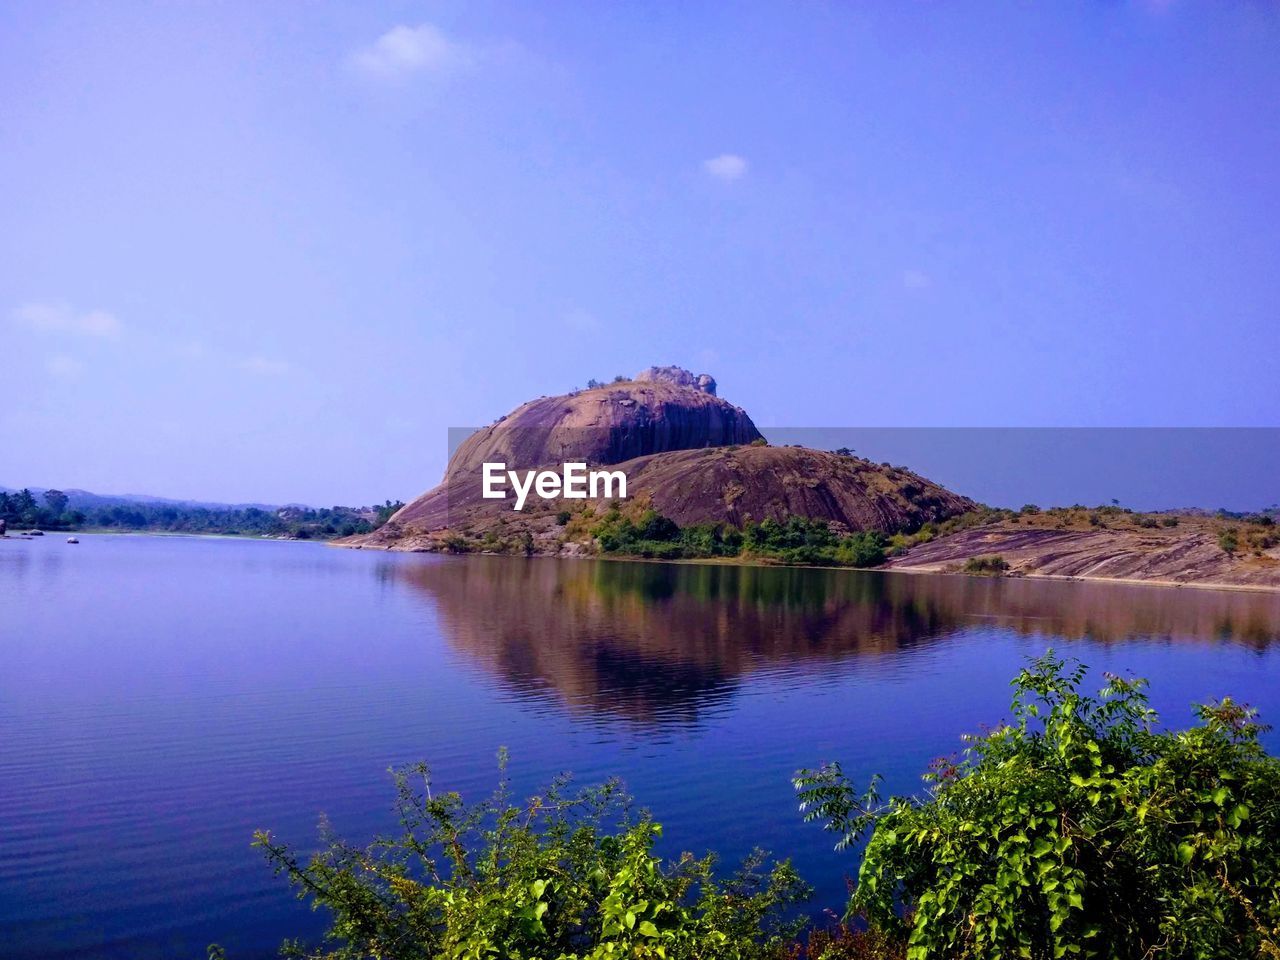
[738, 484]
[663, 409]
[1189, 553]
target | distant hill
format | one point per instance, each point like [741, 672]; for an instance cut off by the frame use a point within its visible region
[82, 499]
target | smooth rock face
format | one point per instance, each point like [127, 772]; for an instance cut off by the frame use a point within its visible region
[607, 424]
[665, 409]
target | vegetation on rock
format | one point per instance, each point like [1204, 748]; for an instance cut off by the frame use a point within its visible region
[988, 566]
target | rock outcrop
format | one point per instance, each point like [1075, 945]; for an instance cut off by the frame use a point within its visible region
[686, 452]
[663, 409]
[610, 424]
[735, 485]
[680, 377]
[1038, 546]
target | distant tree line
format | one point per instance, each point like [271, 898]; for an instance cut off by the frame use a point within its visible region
[54, 510]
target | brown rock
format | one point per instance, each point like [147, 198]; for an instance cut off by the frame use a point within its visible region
[659, 411]
[689, 454]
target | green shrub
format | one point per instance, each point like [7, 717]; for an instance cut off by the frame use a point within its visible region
[799, 540]
[562, 876]
[847, 941]
[862, 550]
[1075, 831]
[1229, 540]
[986, 565]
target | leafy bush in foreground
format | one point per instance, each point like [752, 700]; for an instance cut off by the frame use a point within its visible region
[1076, 831]
[559, 877]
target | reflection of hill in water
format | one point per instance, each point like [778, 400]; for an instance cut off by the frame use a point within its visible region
[658, 642]
[1109, 612]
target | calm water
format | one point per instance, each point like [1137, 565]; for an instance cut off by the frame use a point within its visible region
[162, 698]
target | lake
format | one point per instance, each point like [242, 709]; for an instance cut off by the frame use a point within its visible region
[162, 697]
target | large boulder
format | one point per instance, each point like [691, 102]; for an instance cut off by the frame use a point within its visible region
[680, 377]
[663, 409]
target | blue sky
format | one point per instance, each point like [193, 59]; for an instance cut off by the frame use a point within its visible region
[273, 251]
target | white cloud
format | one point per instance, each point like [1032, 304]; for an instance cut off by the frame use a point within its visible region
[60, 318]
[265, 367]
[727, 167]
[916, 280]
[405, 50]
[64, 367]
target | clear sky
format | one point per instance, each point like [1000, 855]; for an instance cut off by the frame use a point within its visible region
[272, 251]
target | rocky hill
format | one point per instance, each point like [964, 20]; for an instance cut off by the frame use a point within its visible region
[1186, 549]
[694, 459]
[688, 454]
[737, 484]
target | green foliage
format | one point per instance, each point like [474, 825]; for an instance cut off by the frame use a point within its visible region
[87, 512]
[21, 509]
[56, 501]
[1075, 831]
[797, 541]
[1229, 540]
[986, 565]
[385, 512]
[563, 876]
[847, 941]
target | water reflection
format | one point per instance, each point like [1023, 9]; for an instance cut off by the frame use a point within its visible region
[654, 642]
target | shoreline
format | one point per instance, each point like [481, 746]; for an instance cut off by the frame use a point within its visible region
[910, 571]
[106, 532]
